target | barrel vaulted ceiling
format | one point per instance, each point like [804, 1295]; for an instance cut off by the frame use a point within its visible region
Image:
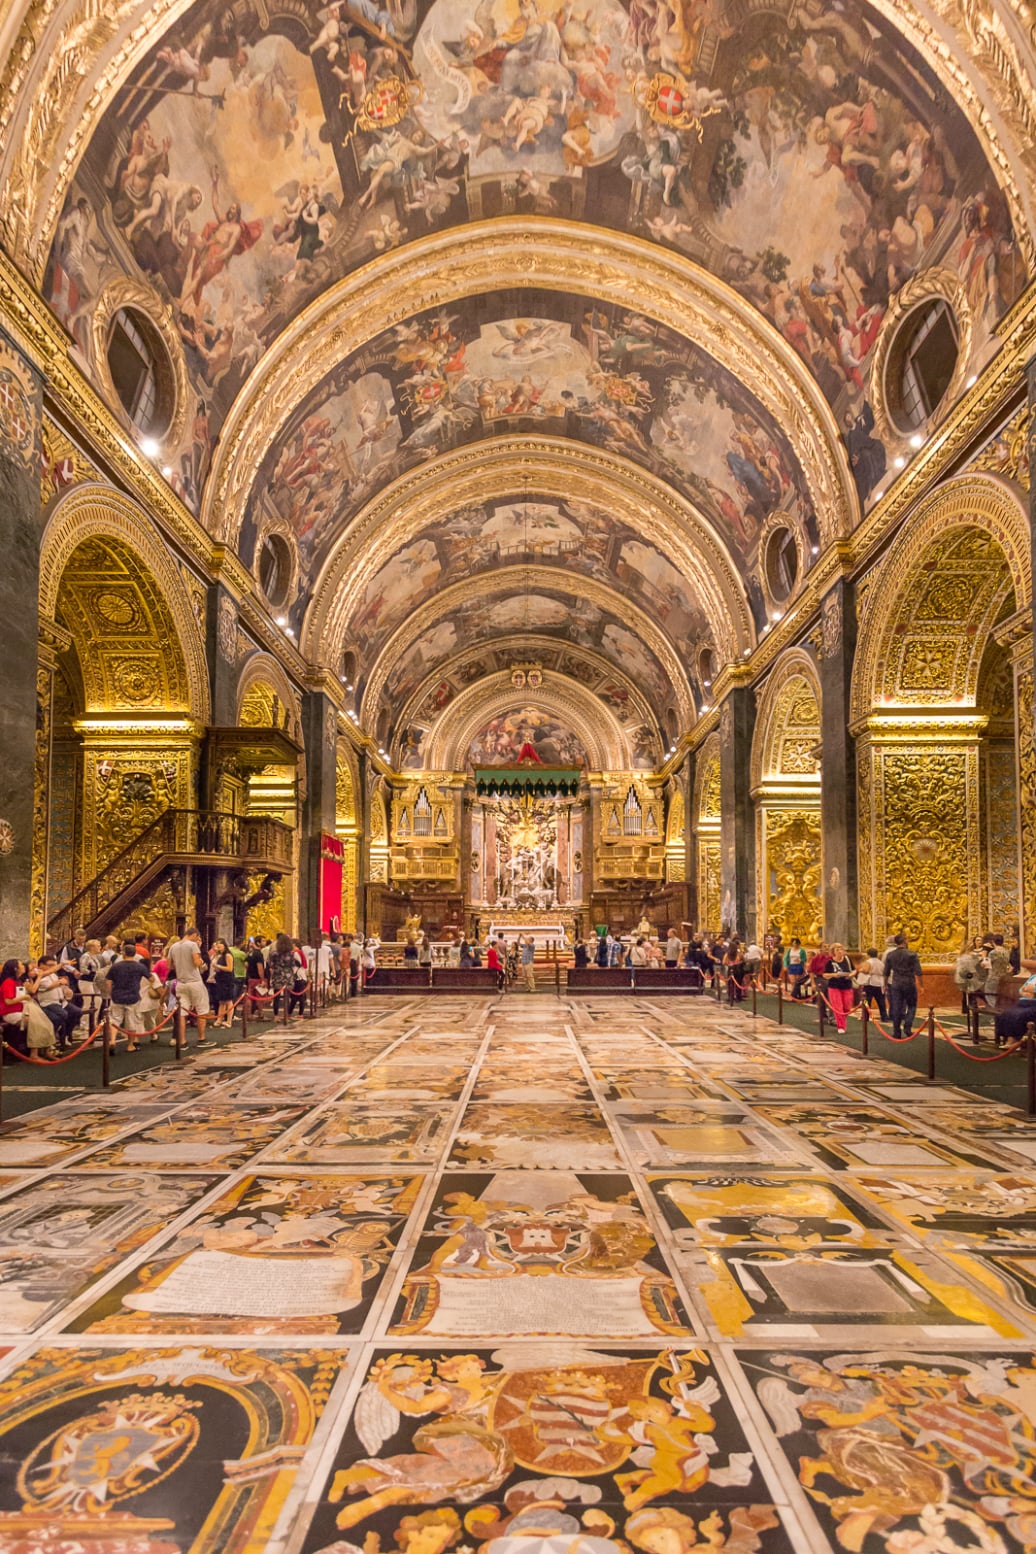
[654, 241]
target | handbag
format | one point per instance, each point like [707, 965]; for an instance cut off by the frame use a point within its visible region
[39, 1031]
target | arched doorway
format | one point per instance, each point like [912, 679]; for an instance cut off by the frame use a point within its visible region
[122, 699]
[707, 847]
[942, 682]
[786, 793]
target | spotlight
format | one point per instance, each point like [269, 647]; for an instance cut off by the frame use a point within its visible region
[972, 380]
[289, 631]
[777, 615]
[814, 550]
[899, 461]
[282, 620]
[705, 707]
[747, 653]
[149, 448]
[167, 470]
[917, 441]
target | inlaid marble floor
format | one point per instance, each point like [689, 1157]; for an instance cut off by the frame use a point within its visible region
[563, 1278]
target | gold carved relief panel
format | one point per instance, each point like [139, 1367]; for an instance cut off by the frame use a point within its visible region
[791, 872]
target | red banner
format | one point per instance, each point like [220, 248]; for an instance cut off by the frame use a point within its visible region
[332, 860]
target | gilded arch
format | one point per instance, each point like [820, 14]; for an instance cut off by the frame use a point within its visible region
[262, 687]
[787, 727]
[706, 828]
[92, 512]
[506, 467]
[909, 652]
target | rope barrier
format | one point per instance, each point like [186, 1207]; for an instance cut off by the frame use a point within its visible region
[25, 1057]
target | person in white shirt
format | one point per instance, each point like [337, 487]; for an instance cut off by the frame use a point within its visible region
[186, 964]
[673, 948]
[638, 954]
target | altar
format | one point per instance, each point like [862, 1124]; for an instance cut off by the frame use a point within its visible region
[542, 928]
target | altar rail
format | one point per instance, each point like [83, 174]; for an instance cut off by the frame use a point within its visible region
[434, 979]
[638, 980]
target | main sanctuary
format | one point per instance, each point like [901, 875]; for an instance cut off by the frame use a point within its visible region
[552, 474]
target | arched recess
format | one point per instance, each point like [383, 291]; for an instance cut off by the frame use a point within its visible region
[95, 512]
[602, 736]
[266, 698]
[935, 798]
[513, 582]
[379, 836]
[785, 773]
[508, 468]
[347, 828]
[520, 252]
[122, 693]
[706, 821]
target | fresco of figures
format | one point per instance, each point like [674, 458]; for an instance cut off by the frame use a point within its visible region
[499, 534]
[608, 376]
[527, 733]
[548, 612]
[616, 693]
[252, 160]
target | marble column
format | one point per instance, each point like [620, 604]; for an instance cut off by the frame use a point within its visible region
[737, 820]
[838, 768]
[364, 786]
[319, 811]
[21, 410]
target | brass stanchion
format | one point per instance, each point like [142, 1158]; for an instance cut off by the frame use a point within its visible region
[754, 992]
[931, 1043]
[244, 1017]
[865, 1020]
[178, 1033]
[780, 1002]
[820, 1015]
[557, 976]
[106, 1052]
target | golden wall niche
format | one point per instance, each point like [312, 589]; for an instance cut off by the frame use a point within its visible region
[707, 849]
[675, 846]
[786, 791]
[347, 829]
[920, 834]
[791, 873]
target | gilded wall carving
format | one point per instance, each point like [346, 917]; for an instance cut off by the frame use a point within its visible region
[40, 808]
[921, 829]
[125, 791]
[1001, 835]
[710, 889]
[1026, 737]
[792, 873]
[270, 917]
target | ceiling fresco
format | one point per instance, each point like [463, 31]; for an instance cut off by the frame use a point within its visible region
[259, 154]
[621, 696]
[563, 365]
[526, 733]
[479, 538]
[543, 613]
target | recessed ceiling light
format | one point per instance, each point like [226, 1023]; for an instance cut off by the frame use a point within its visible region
[777, 615]
[167, 470]
[282, 620]
[149, 448]
[814, 550]
[899, 461]
[289, 631]
[917, 441]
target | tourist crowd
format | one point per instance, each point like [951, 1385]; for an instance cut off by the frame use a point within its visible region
[49, 1004]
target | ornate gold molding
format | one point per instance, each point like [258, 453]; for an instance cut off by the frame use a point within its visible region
[512, 467]
[553, 255]
[513, 581]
